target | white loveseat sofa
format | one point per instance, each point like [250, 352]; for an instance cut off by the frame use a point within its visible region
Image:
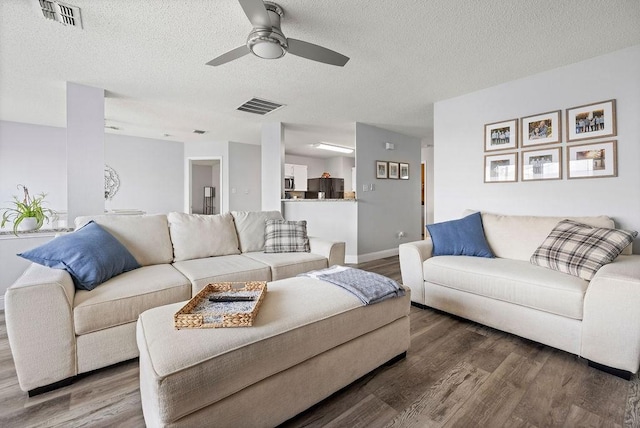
[598, 319]
[57, 331]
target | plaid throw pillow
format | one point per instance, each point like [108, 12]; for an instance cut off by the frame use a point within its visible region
[281, 236]
[579, 249]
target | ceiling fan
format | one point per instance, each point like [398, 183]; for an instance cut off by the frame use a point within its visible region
[266, 40]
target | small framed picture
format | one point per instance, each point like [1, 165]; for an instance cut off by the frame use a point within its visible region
[501, 135]
[394, 170]
[592, 160]
[542, 164]
[381, 169]
[404, 171]
[502, 168]
[591, 121]
[540, 129]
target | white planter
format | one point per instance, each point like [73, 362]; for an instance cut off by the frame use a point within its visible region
[28, 224]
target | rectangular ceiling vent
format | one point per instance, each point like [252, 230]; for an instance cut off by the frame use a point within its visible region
[61, 12]
[259, 106]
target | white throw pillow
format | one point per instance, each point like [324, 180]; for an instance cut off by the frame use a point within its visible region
[250, 226]
[196, 236]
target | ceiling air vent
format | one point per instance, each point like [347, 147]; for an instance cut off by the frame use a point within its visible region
[199, 131]
[258, 106]
[61, 12]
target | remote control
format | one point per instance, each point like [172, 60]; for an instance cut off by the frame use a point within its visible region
[231, 298]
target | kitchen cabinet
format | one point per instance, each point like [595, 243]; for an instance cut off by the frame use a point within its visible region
[299, 174]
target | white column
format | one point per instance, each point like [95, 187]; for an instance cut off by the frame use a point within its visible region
[272, 166]
[85, 151]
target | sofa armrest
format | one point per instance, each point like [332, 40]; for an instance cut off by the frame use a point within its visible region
[611, 319]
[39, 319]
[412, 256]
[332, 250]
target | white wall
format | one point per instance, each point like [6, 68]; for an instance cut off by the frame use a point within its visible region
[85, 150]
[35, 156]
[458, 151]
[151, 173]
[394, 206]
[245, 177]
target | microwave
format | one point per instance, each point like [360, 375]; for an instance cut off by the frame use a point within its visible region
[289, 183]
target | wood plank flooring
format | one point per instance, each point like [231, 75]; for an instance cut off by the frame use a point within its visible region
[456, 374]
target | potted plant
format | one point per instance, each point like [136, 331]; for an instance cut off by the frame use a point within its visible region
[26, 214]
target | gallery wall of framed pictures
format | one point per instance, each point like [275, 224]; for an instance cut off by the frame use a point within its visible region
[531, 148]
[393, 170]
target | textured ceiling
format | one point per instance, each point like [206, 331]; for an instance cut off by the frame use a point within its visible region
[150, 55]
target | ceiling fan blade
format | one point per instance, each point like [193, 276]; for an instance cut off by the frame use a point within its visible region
[317, 53]
[230, 56]
[256, 12]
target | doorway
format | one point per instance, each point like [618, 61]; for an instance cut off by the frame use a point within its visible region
[203, 186]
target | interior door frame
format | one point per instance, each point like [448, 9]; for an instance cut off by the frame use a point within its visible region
[188, 179]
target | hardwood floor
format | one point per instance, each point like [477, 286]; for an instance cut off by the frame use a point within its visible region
[457, 374]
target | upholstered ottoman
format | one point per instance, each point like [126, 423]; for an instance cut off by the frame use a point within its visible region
[310, 339]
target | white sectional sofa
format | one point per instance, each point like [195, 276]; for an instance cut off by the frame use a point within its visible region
[598, 319]
[57, 331]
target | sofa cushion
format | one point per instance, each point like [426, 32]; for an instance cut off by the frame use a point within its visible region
[145, 236]
[517, 237]
[579, 249]
[299, 319]
[250, 228]
[196, 236]
[282, 236]
[91, 255]
[512, 281]
[287, 265]
[123, 298]
[463, 237]
[222, 269]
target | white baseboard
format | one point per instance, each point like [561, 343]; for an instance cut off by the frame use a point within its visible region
[363, 258]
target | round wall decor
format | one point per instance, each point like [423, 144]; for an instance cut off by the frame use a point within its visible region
[111, 182]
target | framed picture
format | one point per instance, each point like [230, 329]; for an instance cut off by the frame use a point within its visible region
[542, 164]
[394, 170]
[540, 129]
[501, 168]
[404, 171]
[381, 169]
[592, 160]
[501, 135]
[591, 121]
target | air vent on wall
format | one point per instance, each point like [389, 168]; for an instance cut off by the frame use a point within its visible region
[258, 106]
[61, 12]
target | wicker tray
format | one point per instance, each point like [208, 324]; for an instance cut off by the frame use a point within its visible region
[199, 312]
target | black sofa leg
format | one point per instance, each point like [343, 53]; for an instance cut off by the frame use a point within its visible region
[396, 359]
[611, 370]
[42, 389]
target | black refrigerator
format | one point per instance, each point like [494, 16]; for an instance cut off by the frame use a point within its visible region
[333, 188]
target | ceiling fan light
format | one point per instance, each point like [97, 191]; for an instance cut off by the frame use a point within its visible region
[333, 148]
[267, 49]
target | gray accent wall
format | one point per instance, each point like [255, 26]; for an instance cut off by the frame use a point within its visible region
[394, 205]
[459, 152]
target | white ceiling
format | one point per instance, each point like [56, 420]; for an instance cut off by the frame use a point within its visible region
[150, 55]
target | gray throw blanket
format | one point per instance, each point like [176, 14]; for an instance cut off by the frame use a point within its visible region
[369, 287]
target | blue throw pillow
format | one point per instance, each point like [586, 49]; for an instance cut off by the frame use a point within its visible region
[91, 255]
[464, 237]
